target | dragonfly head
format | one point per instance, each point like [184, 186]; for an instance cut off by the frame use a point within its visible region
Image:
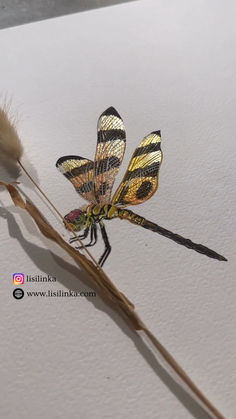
[76, 220]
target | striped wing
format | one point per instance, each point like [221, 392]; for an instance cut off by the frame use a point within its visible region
[111, 144]
[80, 172]
[141, 179]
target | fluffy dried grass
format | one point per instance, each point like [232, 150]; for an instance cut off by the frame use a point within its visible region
[10, 143]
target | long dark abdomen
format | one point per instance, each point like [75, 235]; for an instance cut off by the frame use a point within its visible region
[136, 219]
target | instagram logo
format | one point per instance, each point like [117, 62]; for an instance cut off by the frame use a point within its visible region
[18, 279]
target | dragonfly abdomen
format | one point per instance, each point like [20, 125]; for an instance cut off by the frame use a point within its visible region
[136, 219]
[125, 214]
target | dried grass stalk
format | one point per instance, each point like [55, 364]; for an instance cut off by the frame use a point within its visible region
[111, 294]
[100, 279]
[10, 144]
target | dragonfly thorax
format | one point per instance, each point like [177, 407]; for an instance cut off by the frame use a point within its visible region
[80, 219]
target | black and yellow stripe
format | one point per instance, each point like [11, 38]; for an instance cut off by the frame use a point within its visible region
[141, 179]
[102, 211]
[111, 143]
[80, 172]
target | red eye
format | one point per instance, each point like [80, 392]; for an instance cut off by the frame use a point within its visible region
[73, 215]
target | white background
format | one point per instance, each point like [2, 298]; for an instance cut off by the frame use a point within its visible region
[164, 65]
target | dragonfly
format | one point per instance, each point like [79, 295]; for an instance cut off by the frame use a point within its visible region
[93, 181]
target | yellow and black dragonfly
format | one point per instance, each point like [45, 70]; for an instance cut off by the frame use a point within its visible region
[93, 180]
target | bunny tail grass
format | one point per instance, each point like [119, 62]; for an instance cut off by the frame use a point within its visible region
[11, 149]
[10, 143]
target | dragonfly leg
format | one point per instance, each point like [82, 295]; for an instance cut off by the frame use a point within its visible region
[107, 251]
[81, 236]
[93, 237]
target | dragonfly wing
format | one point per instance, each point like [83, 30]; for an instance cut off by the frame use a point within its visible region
[80, 172]
[111, 144]
[141, 178]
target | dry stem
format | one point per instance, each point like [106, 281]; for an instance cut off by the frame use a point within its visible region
[110, 293]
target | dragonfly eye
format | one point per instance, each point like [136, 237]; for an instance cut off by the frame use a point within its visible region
[73, 216]
[75, 219]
